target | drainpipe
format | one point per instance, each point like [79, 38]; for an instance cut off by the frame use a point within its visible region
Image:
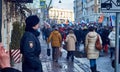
[0, 20]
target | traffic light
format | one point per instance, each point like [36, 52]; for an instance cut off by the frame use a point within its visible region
[106, 5]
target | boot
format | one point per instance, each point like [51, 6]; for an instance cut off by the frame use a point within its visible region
[95, 68]
[92, 69]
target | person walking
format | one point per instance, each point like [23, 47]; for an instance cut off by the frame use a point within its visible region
[111, 36]
[30, 46]
[70, 40]
[56, 39]
[92, 52]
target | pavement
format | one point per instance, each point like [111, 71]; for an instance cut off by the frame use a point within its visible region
[79, 64]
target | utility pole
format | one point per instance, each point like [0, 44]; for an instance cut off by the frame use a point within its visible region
[117, 42]
[0, 20]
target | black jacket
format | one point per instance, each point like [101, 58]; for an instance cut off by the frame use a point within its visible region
[31, 49]
[9, 70]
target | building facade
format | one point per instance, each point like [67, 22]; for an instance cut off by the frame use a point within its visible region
[77, 10]
[90, 11]
[87, 10]
[10, 14]
[58, 16]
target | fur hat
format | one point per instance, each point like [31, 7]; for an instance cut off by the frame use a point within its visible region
[32, 21]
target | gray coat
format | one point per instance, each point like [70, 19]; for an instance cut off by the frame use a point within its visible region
[71, 39]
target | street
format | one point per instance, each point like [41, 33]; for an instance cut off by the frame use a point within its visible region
[79, 64]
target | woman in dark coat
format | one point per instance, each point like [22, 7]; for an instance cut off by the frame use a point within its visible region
[30, 46]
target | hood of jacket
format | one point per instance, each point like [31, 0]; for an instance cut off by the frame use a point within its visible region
[92, 34]
[55, 32]
[71, 35]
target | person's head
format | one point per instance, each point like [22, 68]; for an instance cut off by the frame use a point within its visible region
[113, 29]
[32, 22]
[91, 28]
[56, 28]
[71, 31]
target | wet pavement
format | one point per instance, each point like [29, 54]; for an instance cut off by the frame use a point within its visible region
[79, 64]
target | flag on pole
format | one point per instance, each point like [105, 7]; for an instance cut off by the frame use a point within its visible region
[110, 20]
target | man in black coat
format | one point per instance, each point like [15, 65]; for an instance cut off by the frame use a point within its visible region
[78, 35]
[30, 46]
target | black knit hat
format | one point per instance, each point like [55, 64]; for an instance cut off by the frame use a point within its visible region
[32, 21]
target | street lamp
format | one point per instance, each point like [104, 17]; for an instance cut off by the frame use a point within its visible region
[60, 1]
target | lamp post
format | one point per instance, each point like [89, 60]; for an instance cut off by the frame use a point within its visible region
[60, 1]
[49, 7]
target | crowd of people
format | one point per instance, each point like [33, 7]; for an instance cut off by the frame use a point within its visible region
[72, 36]
[75, 35]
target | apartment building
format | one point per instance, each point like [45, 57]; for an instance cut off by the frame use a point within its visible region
[87, 10]
[61, 15]
[90, 11]
[77, 10]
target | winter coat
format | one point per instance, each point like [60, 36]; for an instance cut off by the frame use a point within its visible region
[112, 38]
[31, 49]
[104, 37]
[55, 38]
[92, 52]
[78, 35]
[84, 33]
[9, 70]
[70, 39]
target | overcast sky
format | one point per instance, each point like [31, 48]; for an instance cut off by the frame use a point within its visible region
[66, 4]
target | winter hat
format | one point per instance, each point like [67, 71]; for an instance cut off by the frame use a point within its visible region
[71, 31]
[56, 28]
[32, 21]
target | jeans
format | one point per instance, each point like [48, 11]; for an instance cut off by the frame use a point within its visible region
[70, 54]
[92, 62]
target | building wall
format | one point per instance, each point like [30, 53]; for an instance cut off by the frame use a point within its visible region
[61, 15]
[88, 10]
[8, 17]
[77, 10]
[91, 12]
[6, 25]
